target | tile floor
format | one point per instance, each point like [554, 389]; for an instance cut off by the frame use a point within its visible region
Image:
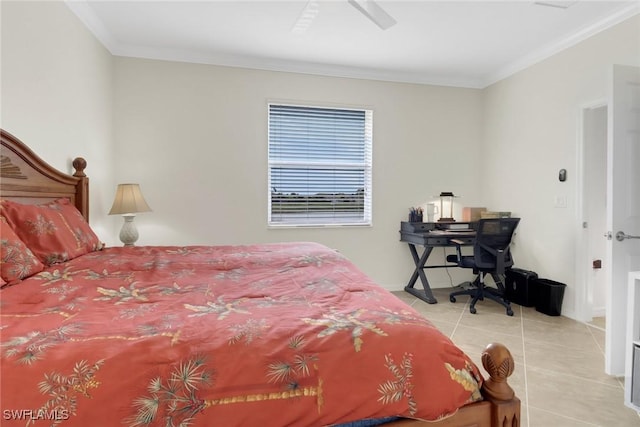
[559, 374]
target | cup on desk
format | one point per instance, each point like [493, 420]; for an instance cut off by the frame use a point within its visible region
[432, 210]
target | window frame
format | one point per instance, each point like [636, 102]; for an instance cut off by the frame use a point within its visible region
[366, 220]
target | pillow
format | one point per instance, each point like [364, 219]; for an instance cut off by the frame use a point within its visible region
[55, 232]
[16, 260]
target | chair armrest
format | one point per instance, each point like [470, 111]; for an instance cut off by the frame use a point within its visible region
[458, 244]
[500, 261]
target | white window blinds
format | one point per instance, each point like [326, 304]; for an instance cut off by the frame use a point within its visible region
[319, 165]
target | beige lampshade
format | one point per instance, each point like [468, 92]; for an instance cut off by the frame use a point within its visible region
[129, 200]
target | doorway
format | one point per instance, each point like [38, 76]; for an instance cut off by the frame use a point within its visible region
[592, 268]
[619, 237]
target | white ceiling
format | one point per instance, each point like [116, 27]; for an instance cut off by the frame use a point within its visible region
[446, 42]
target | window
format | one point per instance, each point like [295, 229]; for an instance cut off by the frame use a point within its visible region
[319, 165]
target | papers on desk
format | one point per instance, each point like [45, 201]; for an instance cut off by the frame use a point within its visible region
[459, 231]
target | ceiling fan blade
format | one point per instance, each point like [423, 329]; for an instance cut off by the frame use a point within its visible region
[374, 12]
[308, 14]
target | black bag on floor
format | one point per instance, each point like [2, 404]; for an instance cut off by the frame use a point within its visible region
[519, 288]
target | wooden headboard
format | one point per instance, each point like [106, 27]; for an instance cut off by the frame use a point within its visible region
[26, 178]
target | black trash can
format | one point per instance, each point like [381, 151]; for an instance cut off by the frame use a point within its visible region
[519, 287]
[549, 295]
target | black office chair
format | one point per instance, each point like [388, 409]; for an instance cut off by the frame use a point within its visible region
[491, 255]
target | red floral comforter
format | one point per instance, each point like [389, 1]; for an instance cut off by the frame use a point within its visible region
[263, 335]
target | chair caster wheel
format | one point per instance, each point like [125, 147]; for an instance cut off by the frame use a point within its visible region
[509, 312]
[452, 299]
[472, 310]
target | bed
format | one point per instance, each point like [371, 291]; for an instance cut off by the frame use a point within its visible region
[282, 334]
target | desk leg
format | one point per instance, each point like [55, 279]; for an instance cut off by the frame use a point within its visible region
[424, 294]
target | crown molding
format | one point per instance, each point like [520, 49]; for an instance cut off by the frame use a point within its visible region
[95, 25]
[569, 41]
[300, 67]
[88, 17]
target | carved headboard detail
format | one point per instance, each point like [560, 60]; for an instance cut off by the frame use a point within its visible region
[26, 178]
[9, 170]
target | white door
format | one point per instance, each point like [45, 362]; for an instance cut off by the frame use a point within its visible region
[623, 206]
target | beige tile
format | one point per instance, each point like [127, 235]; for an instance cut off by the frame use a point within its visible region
[599, 337]
[481, 337]
[485, 305]
[578, 399]
[559, 363]
[438, 313]
[560, 331]
[442, 311]
[541, 418]
[497, 321]
[588, 363]
[530, 314]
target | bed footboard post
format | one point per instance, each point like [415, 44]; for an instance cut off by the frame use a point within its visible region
[505, 406]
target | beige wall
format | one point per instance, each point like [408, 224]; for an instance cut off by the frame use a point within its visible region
[531, 131]
[194, 137]
[57, 91]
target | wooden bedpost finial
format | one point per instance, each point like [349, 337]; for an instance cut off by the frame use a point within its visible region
[79, 164]
[498, 362]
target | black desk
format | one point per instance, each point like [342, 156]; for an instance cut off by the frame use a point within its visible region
[427, 236]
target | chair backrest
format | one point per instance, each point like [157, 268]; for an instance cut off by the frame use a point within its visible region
[493, 237]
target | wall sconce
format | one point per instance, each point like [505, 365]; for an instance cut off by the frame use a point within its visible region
[128, 202]
[446, 200]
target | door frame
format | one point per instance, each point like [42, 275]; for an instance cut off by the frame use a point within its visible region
[583, 292]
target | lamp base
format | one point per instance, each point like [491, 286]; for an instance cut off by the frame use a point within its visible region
[446, 220]
[128, 233]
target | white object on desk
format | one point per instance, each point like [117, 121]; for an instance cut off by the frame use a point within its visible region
[432, 209]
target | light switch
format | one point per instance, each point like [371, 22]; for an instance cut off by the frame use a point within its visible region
[560, 202]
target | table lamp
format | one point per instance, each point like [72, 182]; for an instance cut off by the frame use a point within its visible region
[128, 202]
[446, 196]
